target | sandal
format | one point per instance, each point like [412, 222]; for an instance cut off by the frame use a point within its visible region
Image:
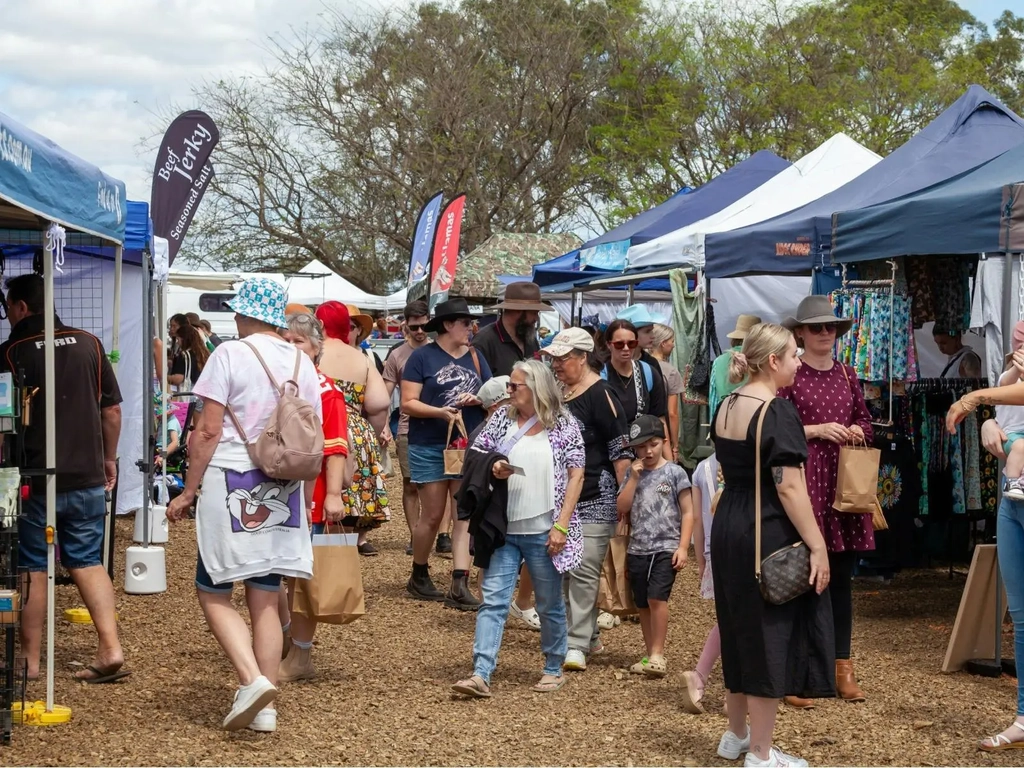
[550, 686]
[693, 693]
[640, 667]
[656, 667]
[999, 743]
[474, 687]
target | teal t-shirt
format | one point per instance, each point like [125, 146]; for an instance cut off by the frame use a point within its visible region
[720, 387]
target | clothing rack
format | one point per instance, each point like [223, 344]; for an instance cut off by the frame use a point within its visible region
[889, 283]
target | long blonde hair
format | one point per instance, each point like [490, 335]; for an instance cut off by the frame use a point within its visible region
[547, 398]
[763, 341]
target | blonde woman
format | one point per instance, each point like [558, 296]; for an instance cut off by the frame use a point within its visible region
[768, 651]
[538, 434]
[663, 341]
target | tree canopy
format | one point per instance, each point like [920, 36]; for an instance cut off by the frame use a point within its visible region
[555, 115]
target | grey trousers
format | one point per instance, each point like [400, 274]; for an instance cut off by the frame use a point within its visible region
[582, 585]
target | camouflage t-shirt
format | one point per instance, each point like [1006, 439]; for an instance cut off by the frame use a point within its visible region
[656, 519]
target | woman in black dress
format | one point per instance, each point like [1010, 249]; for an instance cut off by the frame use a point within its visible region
[768, 651]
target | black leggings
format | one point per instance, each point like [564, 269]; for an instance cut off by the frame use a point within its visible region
[840, 587]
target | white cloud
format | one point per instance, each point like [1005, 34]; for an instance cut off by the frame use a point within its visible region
[93, 74]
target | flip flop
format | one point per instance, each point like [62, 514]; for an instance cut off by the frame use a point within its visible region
[550, 687]
[473, 687]
[103, 676]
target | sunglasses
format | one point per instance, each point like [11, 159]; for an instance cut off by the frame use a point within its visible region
[631, 344]
[561, 359]
[416, 326]
[512, 386]
[821, 328]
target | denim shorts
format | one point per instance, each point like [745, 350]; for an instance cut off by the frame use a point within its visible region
[269, 583]
[80, 529]
[426, 464]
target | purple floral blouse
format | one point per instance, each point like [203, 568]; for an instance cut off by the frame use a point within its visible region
[567, 452]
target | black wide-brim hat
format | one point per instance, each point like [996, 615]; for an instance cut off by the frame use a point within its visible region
[453, 309]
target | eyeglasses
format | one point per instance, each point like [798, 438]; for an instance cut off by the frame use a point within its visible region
[821, 328]
[631, 344]
[513, 386]
[561, 359]
[416, 326]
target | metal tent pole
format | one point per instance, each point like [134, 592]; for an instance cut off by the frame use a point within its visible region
[115, 346]
[1007, 344]
[50, 400]
[146, 463]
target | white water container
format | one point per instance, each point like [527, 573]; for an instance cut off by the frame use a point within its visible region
[145, 571]
[158, 526]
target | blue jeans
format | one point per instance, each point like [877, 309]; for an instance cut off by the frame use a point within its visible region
[1010, 536]
[498, 585]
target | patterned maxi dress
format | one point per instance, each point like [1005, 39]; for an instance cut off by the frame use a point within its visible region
[821, 397]
[367, 498]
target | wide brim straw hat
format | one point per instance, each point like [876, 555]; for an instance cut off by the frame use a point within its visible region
[743, 325]
[356, 315]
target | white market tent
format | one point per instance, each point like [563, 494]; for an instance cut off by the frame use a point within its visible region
[830, 166]
[317, 283]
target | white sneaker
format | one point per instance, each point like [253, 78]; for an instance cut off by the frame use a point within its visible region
[575, 661]
[732, 746]
[530, 617]
[249, 700]
[1012, 489]
[607, 620]
[776, 757]
[265, 721]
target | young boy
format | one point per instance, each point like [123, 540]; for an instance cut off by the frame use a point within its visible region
[1013, 487]
[656, 497]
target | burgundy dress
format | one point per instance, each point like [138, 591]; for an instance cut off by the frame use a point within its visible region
[821, 397]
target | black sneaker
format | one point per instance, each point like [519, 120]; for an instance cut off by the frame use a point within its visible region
[422, 588]
[408, 548]
[460, 597]
[366, 549]
[444, 544]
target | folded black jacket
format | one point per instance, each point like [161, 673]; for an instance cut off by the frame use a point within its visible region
[483, 500]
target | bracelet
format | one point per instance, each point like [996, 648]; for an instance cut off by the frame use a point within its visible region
[561, 529]
[967, 405]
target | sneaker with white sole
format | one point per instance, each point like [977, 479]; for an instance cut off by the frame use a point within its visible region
[249, 700]
[1012, 489]
[732, 746]
[575, 661]
[776, 759]
[596, 647]
[530, 617]
[265, 721]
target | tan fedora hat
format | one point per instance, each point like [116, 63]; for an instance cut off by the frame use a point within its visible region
[814, 310]
[524, 297]
[743, 325]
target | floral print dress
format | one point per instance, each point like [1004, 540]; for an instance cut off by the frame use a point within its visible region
[367, 498]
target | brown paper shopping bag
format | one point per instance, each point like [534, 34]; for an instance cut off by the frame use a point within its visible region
[335, 593]
[857, 479]
[454, 457]
[615, 595]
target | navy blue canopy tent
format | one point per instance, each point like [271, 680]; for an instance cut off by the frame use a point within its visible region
[981, 211]
[976, 128]
[609, 250]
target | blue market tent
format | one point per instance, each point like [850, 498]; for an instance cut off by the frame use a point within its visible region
[41, 182]
[981, 211]
[609, 250]
[138, 231]
[976, 128]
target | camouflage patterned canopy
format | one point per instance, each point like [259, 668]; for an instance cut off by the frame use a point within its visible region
[506, 254]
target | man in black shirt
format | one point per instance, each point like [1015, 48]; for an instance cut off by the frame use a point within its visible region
[514, 336]
[88, 420]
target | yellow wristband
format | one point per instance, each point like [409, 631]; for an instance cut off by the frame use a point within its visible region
[560, 529]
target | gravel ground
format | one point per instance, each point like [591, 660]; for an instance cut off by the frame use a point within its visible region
[382, 696]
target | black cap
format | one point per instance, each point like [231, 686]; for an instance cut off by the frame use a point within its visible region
[646, 427]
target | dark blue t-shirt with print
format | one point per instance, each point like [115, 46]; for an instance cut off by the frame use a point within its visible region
[444, 378]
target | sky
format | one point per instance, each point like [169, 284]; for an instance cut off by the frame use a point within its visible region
[95, 76]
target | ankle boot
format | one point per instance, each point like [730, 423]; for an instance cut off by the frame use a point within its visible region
[846, 682]
[460, 597]
[421, 587]
[286, 645]
[798, 702]
[297, 665]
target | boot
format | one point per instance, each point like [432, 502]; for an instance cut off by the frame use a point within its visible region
[846, 682]
[422, 588]
[460, 597]
[286, 645]
[798, 702]
[297, 665]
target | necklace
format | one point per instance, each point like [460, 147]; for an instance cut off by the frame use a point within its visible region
[624, 380]
[572, 392]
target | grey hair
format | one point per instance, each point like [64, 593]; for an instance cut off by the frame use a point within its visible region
[547, 397]
[660, 334]
[308, 327]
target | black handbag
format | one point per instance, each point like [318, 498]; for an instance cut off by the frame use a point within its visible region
[786, 573]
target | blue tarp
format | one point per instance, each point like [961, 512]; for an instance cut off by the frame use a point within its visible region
[976, 128]
[40, 177]
[609, 250]
[138, 232]
[981, 211]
